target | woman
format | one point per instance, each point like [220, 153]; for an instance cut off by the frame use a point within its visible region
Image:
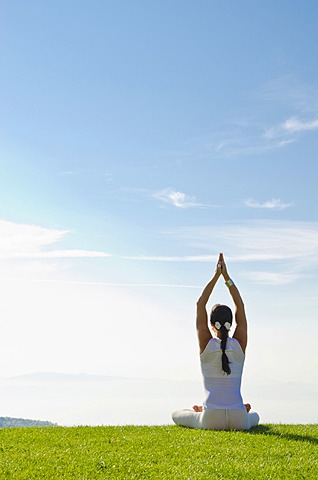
[222, 360]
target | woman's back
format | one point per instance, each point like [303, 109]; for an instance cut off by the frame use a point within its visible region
[222, 390]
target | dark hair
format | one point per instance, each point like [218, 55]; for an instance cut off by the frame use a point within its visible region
[222, 314]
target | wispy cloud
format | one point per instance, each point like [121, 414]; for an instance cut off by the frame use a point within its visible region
[295, 125]
[172, 258]
[137, 285]
[32, 241]
[237, 258]
[286, 251]
[258, 139]
[63, 254]
[290, 127]
[290, 108]
[274, 252]
[176, 198]
[256, 239]
[234, 139]
[288, 91]
[272, 278]
[272, 204]
[253, 135]
[293, 246]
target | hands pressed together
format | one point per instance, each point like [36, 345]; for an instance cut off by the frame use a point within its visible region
[221, 267]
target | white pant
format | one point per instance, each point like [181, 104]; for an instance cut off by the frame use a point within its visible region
[216, 419]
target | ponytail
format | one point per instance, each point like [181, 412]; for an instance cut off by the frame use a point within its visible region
[225, 360]
[221, 319]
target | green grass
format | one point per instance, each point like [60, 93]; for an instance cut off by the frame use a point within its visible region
[163, 452]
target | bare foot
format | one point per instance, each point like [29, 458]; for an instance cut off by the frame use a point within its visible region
[199, 408]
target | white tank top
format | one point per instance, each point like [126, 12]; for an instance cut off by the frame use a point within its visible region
[222, 390]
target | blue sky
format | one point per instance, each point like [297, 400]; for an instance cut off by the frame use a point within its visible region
[139, 139]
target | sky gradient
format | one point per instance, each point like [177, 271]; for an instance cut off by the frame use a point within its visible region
[139, 140]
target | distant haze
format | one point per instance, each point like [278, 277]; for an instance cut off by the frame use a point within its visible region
[100, 400]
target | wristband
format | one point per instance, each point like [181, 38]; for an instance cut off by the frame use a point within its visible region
[229, 283]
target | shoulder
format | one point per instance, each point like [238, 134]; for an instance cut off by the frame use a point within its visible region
[234, 344]
[212, 346]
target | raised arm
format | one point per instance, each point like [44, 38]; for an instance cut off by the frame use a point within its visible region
[203, 331]
[240, 332]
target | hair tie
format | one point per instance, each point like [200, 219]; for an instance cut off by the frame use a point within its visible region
[218, 325]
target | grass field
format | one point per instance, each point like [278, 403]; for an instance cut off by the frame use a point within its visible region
[160, 452]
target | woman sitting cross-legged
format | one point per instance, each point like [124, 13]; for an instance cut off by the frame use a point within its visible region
[222, 359]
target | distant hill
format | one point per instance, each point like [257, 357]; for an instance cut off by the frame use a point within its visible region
[65, 377]
[8, 422]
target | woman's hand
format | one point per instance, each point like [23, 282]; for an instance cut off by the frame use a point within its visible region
[223, 268]
[218, 268]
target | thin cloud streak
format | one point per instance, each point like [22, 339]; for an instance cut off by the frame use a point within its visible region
[274, 204]
[207, 258]
[260, 237]
[159, 258]
[246, 140]
[124, 285]
[289, 92]
[66, 173]
[292, 247]
[272, 278]
[57, 254]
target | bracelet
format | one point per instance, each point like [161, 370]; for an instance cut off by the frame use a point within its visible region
[229, 283]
